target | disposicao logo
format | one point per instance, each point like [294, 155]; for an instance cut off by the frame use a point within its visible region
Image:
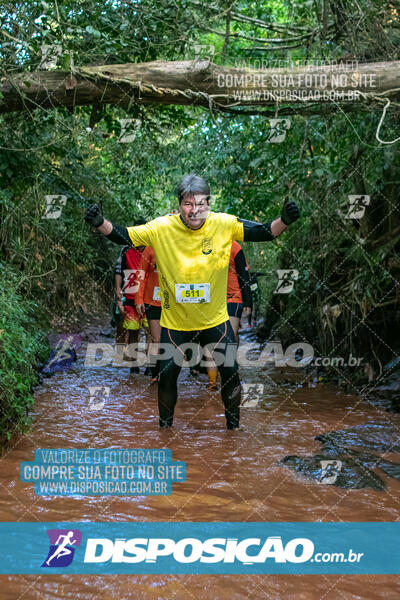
[61, 551]
[190, 550]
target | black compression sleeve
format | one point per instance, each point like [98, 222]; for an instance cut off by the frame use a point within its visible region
[243, 276]
[256, 232]
[119, 235]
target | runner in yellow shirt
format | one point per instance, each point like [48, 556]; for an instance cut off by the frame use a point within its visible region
[192, 251]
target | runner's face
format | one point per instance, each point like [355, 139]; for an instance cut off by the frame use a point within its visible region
[194, 210]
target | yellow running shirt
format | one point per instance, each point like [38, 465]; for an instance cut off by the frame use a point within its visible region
[192, 266]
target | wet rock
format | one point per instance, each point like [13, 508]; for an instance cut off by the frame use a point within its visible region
[332, 450]
[376, 462]
[345, 461]
[372, 461]
[386, 394]
[388, 400]
[347, 473]
[390, 468]
[381, 437]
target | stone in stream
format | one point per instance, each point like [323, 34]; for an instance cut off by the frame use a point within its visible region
[345, 472]
[381, 437]
[386, 395]
[372, 461]
[390, 468]
[345, 460]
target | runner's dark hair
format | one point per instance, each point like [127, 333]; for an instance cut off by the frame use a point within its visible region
[192, 184]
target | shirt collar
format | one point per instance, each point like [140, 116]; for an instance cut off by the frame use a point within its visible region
[198, 229]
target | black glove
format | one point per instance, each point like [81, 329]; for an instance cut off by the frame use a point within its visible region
[290, 212]
[93, 216]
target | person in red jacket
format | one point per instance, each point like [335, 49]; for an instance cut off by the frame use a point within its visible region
[127, 279]
[148, 303]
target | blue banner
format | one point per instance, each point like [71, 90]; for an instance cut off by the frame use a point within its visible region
[103, 472]
[192, 548]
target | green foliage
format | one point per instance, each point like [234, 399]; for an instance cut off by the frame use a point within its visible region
[64, 267]
[22, 347]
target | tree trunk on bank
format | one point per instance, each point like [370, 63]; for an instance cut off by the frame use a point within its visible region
[203, 83]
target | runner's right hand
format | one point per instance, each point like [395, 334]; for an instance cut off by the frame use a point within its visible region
[93, 216]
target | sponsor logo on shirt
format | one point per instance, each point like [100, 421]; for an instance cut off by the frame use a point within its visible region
[165, 294]
[207, 246]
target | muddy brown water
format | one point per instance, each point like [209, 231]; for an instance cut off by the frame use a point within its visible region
[231, 476]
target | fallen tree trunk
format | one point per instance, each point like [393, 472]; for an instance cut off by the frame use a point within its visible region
[201, 83]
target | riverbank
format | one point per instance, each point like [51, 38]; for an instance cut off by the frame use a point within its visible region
[24, 347]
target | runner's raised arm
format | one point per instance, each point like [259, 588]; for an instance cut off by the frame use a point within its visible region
[253, 231]
[115, 233]
[264, 232]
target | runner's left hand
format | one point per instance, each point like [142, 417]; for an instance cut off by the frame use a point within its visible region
[290, 212]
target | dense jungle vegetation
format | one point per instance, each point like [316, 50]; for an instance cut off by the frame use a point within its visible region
[346, 297]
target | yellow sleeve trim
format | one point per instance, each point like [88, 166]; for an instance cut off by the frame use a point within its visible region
[239, 231]
[140, 235]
